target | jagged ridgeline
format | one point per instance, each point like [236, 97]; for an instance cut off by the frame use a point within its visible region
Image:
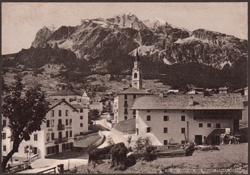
[178, 56]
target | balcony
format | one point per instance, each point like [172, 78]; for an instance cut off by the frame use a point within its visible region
[60, 127]
[61, 140]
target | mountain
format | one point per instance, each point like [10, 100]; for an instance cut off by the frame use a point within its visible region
[109, 46]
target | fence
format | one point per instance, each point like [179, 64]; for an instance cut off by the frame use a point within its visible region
[47, 171]
[19, 167]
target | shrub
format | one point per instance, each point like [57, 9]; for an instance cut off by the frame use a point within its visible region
[144, 147]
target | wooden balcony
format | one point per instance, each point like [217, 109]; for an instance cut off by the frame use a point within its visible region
[61, 140]
[60, 127]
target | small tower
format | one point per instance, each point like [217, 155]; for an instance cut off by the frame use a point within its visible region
[136, 73]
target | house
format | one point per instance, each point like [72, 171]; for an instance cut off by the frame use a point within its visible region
[84, 99]
[223, 90]
[67, 95]
[194, 90]
[96, 106]
[124, 99]
[63, 121]
[70, 96]
[183, 118]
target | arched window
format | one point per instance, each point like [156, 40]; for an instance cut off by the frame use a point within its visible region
[135, 75]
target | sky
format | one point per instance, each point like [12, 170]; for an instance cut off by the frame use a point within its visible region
[21, 21]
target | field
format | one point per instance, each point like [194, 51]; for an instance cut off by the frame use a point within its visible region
[229, 157]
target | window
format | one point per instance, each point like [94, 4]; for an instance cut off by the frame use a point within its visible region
[4, 147]
[52, 123]
[48, 123]
[135, 75]
[200, 125]
[48, 137]
[70, 122]
[134, 111]
[52, 113]
[125, 104]
[81, 110]
[183, 118]
[60, 113]
[165, 130]
[165, 142]
[52, 136]
[125, 111]
[125, 97]
[148, 110]
[81, 125]
[134, 96]
[165, 110]
[3, 135]
[134, 116]
[35, 137]
[66, 113]
[4, 123]
[183, 142]
[35, 150]
[67, 122]
[217, 125]
[125, 117]
[165, 118]
[59, 122]
[209, 125]
[67, 134]
[81, 117]
[59, 135]
[182, 130]
[148, 129]
[182, 111]
[70, 133]
[148, 118]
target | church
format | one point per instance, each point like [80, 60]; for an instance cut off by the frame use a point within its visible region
[124, 100]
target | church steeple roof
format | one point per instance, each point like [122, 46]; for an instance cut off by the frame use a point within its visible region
[137, 56]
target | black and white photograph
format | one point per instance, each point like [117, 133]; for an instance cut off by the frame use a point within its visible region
[124, 87]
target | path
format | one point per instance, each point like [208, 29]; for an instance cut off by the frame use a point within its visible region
[43, 164]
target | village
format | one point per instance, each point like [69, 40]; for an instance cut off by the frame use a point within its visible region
[170, 122]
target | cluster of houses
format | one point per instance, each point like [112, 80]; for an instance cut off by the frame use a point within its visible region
[166, 118]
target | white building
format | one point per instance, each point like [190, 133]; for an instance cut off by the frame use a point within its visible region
[63, 121]
[183, 118]
[71, 96]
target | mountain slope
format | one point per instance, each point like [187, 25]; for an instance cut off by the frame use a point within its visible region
[109, 46]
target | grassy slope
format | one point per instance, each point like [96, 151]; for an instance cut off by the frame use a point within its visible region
[228, 156]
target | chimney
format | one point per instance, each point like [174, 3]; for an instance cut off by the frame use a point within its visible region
[191, 101]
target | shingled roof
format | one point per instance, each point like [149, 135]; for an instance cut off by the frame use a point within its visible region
[66, 93]
[131, 91]
[181, 102]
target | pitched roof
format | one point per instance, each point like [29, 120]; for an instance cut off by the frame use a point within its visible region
[60, 102]
[133, 91]
[79, 106]
[65, 93]
[213, 102]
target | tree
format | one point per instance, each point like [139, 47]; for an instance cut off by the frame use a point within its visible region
[93, 115]
[144, 147]
[26, 110]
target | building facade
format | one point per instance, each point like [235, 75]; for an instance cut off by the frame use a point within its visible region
[63, 122]
[123, 103]
[183, 118]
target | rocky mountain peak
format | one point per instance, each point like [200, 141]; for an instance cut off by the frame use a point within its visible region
[41, 37]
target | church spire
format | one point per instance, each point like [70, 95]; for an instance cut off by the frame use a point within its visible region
[136, 73]
[137, 56]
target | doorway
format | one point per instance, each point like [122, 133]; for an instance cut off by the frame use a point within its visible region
[198, 139]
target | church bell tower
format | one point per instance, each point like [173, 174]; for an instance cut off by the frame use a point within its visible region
[136, 73]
